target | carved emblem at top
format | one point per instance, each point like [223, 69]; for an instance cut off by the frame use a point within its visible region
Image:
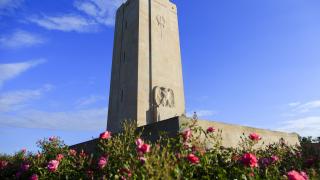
[161, 21]
[163, 97]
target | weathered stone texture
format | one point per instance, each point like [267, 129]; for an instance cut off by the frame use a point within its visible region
[146, 57]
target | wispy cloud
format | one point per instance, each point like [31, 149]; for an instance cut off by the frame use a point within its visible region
[305, 107]
[88, 119]
[102, 11]
[304, 118]
[90, 15]
[306, 126]
[19, 109]
[14, 100]
[8, 6]
[12, 70]
[20, 38]
[93, 99]
[294, 104]
[67, 22]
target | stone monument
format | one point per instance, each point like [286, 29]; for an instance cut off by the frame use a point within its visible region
[146, 79]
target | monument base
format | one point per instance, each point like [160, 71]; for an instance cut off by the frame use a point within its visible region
[230, 133]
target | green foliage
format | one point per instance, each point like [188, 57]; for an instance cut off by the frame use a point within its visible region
[196, 153]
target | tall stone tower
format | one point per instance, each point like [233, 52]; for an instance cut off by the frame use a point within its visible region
[146, 78]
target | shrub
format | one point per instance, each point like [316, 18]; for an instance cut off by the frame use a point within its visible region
[127, 156]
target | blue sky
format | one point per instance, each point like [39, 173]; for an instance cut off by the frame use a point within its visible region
[247, 62]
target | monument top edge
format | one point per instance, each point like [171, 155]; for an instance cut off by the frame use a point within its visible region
[128, 1]
[170, 4]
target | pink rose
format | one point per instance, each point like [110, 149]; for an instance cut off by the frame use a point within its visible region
[52, 138]
[39, 155]
[304, 175]
[139, 142]
[142, 160]
[274, 158]
[102, 162]
[23, 150]
[186, 134]
[3, 164]
[83, 154]
[255, 137]
[53, 165]
[249, 159]
[193, 159]
[145, 148]
[142, 147]
[264, 162]
[105, 135]
[34, 177]
[25, 167]
[59, 157]
[294, 175]
[126, 171]
[72, 152]
[211, 129]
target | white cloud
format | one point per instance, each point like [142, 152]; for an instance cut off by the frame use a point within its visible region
[88, 119]
[87, 7]
[304, 118]
[20, 39]
[305, 107]
[67, 22]
[201, 113]
[294, 104]
[306, 126]
[14, 100]
[90, 16]
[90, 100]
[11, 70]
[8, 6]
[15, 111]
[102, 11]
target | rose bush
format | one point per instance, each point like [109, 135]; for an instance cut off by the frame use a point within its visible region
[128, 156]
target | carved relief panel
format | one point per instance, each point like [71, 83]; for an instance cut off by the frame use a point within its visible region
[164, 104]
[163, 97]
